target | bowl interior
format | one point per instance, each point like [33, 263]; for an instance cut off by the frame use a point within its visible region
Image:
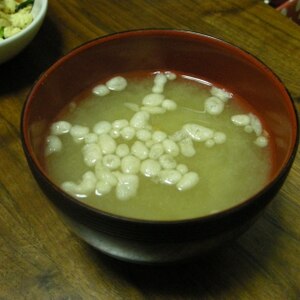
[151, 50]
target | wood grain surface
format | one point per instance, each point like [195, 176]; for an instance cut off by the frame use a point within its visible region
[41, 259]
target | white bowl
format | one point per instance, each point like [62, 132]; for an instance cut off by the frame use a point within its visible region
[16, 43]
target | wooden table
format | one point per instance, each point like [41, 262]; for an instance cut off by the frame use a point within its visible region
[41, 259]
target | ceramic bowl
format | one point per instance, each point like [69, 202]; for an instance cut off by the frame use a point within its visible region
[291, 9]
[203, 56]
[13, 45]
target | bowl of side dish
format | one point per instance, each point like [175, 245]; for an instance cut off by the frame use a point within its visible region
[158, 146]
[290, 9]
[19, 25]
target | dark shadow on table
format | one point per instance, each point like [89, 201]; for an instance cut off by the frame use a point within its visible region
[25, 68]
[209, 277]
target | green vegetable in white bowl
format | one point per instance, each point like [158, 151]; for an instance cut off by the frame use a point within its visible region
[19, 23]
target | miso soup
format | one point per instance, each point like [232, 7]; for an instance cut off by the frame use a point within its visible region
[159, 146]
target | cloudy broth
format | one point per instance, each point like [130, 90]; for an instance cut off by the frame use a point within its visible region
[229, 166]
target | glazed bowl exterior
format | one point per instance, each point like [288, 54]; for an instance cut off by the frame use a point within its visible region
[13, 45]
[151, 50]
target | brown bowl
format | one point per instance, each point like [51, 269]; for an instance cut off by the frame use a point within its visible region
[149, 50]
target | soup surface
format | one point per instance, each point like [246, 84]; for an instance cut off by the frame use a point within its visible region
[229, 161]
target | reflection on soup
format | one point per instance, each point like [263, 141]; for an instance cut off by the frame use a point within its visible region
[159, 146]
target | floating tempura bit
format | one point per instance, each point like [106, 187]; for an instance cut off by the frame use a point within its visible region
[188, 181]
[247, 119]
[219, 137]
[214, 106]
[53, 144]
[220, 93]
[139, 150]
[79, 132]
[256, 124]
[156, 151]
[187, 147]
[182, 168]
[143, 135]
[158, 136]
[179, 135]
[117, 83]
[91, 154]
[101, 90]
[104, 174]
[114, 133]
[102, 127]
[240, 120]
[169, 177]
[73, 189]
[127, 186]
[119, 124]
[130, 164]
[91, 138]
[167, 161]
[107, 144]
[84, 188]
[127, 133]
[153, 99]
[149, 143]
[102, 188]
[198, 133]
[261, 141]
[170, 75]
[140, 119]
[251, 124]
[60, 127]
[160, 80]
[111, 161]
[170, 147]
[122, 150]
[150, 168]
[169, 104]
